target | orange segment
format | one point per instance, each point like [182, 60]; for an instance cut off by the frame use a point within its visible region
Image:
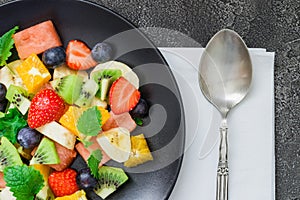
[33, 73]
[44, 170]
[104, 113]
[69, 119]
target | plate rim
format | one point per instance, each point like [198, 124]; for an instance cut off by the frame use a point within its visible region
[154, 47]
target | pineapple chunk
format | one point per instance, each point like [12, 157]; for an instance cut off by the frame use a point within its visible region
[79, 195]
[140, 152]
[59, 134]
[33, 73]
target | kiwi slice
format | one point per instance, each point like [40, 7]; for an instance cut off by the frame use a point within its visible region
[18, 96]
[2, 114]
[8, 154]
[110, 178]
[105, 78]
[46, 153]
[87, 93]
[68, 87]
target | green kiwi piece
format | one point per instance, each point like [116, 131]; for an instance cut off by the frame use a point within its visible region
[46, 153]
[8, 154]
[68, 87]
[2, 114]
[110, 178]
[87, 93]
[18, 96]
[105, 78]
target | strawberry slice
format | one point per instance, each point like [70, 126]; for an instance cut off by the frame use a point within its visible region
[46, 106]
[123, 96]
[78, 56]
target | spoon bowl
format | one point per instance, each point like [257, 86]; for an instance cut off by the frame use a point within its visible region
[225, 71]
[225, 74]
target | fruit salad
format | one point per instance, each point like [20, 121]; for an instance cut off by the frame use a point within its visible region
[57, 103]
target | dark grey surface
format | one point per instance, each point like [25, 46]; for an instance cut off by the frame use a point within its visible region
[270, 24]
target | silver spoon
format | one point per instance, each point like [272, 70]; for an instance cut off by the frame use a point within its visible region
[225, 74]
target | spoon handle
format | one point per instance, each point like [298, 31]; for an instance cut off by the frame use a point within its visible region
[222, 173]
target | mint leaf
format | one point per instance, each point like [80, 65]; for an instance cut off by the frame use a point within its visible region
[138, 121]
[89, 123]
[24, 181]
[11, 123]
[93, 162]
[6, 44]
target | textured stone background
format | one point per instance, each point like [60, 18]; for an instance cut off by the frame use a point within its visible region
[270, 24]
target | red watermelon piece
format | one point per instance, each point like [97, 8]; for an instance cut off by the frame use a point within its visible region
[2, 181]
[66, 157]
[122, 120]
[36, 39]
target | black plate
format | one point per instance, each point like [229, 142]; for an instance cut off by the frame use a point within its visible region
[164, 128]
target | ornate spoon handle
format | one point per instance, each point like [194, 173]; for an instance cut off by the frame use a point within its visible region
[222, 173]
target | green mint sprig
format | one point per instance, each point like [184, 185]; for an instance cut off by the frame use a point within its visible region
[89, 123]
[6, 44]
[24, 181]
[11, 123]
[93, 162]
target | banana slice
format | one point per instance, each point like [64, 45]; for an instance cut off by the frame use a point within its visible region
[9, 76]
[116, 143]
[6, 77]
[7, 194]
[63, 70]
[59, 134]
[126, 71]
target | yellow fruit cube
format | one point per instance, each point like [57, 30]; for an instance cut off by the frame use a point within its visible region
[33, 73]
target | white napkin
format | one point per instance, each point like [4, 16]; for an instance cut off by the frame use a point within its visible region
[250, 132]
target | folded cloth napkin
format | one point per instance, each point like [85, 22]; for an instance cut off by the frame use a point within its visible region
[250, 132]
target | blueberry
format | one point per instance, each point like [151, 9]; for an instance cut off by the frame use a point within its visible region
[140, 110]
[28, 137]
[3, 105]
[3, 91]
[54, 57]
[102, 52]
[85, 180]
